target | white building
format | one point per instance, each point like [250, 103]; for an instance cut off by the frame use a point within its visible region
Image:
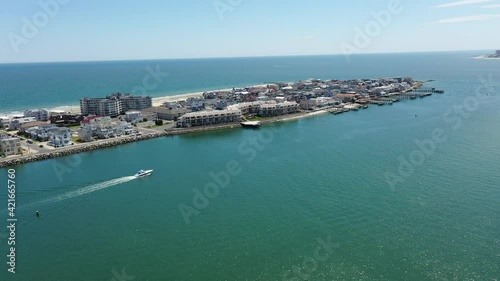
[103, 128]
[130, 102]
[124, 128]
[114, 105]
[9, 145]
[204, 118]
[60, 136]
[4, 121]
[42, 132]
[39, 114]
[101, 106]
[133, 116]
[247, 107]
[268, 110]
[16, 123]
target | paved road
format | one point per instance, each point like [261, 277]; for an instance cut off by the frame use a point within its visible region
[35, 146]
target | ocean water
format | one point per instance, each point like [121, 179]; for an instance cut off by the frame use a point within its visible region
[297, 183]
[48, 85]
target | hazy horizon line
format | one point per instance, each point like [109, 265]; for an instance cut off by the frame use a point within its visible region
[237, 57]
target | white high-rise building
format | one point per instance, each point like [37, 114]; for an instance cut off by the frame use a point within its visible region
[114, 105]
[100, 106]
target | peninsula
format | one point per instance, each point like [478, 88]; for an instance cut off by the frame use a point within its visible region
[496, 55]
[122, 118]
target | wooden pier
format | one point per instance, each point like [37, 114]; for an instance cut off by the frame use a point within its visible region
[428, 90]
[412, 96]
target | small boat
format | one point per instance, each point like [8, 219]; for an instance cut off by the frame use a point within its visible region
[251, 124]
[143, 173]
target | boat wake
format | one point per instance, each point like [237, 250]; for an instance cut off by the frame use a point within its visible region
[86, 190]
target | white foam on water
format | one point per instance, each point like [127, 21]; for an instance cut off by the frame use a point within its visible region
[86, 190]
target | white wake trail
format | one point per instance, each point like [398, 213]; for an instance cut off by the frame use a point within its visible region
[87, 189]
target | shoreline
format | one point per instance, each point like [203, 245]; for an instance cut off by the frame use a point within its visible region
[108, 143]
[485, 57]
[157, 101]
[159, 132]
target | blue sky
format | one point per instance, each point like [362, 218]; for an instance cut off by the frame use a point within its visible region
[83, 30]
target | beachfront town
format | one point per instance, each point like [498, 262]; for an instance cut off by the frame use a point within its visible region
[496, 55]
[124, 115]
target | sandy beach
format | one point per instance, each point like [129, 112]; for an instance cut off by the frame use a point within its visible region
[158, 101]
[485, 58]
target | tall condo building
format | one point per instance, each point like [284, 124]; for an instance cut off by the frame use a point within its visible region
[114, 104]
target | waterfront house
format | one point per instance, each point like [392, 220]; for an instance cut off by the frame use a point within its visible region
[40, 132]
[102, 128]
[9, 145]
[59, 136]
[103, 132]
[85, 134]
[124, 128]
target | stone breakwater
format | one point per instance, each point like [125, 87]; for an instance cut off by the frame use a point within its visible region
[183, 131]
[60, 152]
[76, 149]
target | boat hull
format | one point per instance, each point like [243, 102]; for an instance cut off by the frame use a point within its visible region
[251, 124]
[144, 174]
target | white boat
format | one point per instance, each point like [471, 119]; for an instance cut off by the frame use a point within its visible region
[251, 124]
[143, 173]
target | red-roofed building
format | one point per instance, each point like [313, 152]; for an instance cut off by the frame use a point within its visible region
[88, 119]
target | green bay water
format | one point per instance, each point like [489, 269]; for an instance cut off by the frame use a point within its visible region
[319, 178]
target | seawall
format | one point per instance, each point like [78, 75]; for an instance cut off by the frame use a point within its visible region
[75, 149]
